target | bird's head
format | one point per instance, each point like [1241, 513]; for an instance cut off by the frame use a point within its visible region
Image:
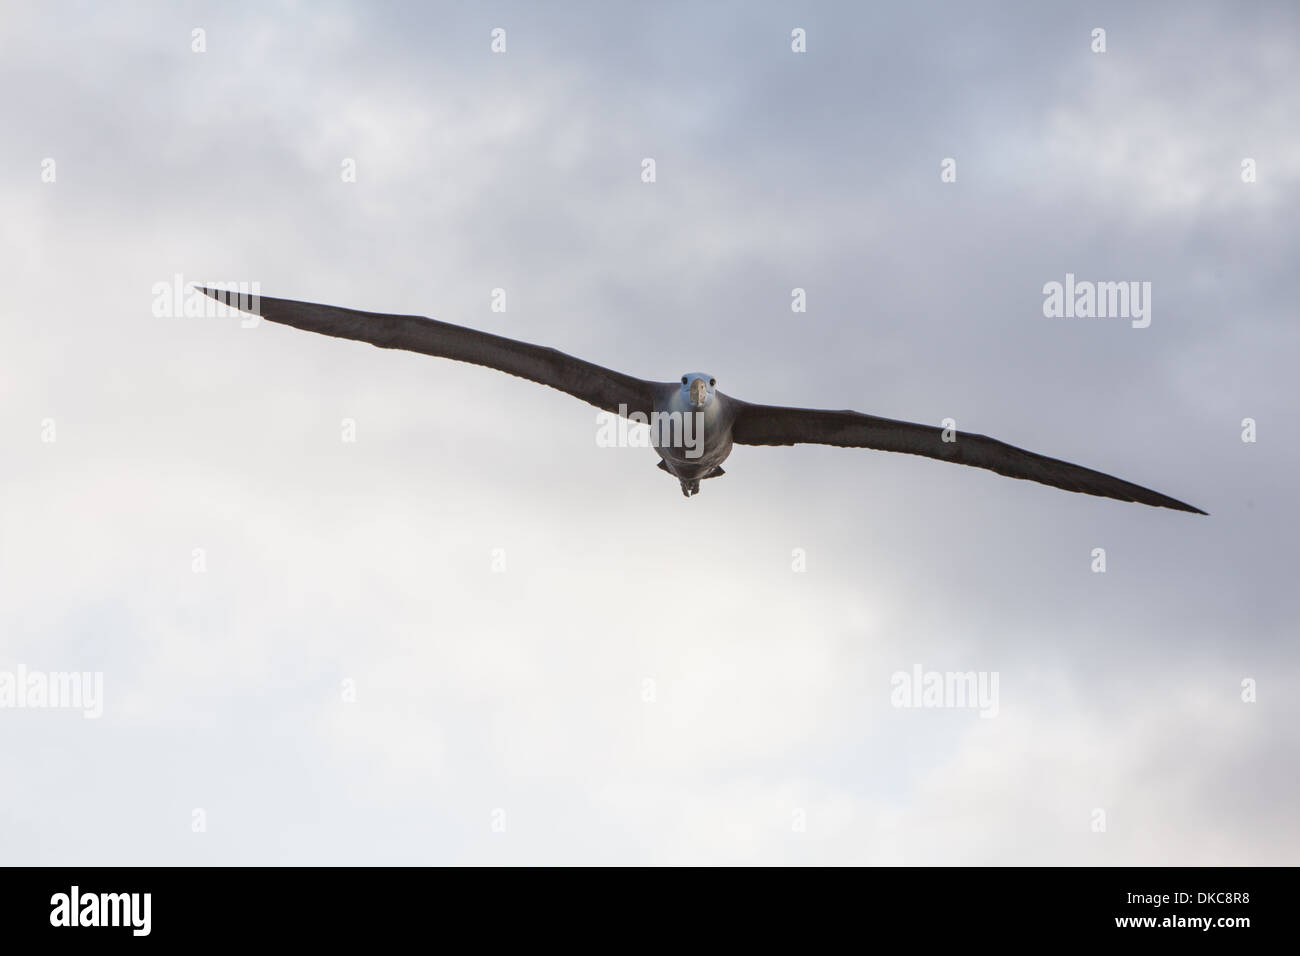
[698, 388]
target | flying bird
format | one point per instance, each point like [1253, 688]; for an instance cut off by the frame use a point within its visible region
[694, 426]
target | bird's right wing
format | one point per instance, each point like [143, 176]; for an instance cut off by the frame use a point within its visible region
[599, 386]
[775, 425]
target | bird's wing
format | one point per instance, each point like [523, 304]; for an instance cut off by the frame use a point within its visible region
[774, 425]
[602, 387]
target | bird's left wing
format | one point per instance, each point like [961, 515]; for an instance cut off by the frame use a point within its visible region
[775, 425]
[599, 386]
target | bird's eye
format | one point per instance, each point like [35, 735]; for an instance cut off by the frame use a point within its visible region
[712, 382]
[683, 379]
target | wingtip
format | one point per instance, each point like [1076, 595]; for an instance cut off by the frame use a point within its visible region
[241, 301]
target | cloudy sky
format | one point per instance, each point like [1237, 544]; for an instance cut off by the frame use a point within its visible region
[471, 636]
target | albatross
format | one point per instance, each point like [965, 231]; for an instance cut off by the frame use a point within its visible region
[692, 454]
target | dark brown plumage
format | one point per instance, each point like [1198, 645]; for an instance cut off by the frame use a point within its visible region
[729, 419]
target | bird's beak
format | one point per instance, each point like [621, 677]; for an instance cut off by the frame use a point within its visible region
[699, 392]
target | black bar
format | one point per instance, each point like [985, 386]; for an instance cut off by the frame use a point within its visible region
[778, 908]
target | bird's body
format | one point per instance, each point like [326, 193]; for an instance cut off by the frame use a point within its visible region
[693, 426]
[695, 449]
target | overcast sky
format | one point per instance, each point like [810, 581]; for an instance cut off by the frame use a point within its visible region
[472, 635]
